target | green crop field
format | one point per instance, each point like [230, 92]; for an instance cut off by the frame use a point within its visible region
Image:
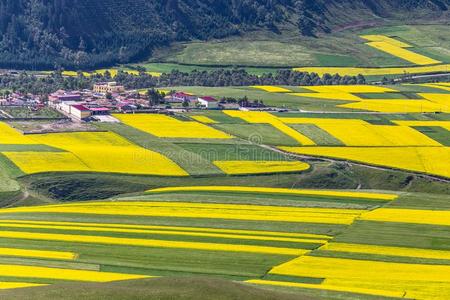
[341, 49]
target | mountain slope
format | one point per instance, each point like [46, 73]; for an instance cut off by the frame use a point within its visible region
[90, 33]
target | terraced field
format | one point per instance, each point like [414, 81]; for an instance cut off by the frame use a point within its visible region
[314, 242]
[152, 234]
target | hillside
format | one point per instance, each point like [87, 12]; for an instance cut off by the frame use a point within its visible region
[85, 34]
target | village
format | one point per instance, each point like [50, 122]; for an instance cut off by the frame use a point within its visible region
[109, 97]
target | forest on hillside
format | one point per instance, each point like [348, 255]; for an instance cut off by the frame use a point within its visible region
[80, 34]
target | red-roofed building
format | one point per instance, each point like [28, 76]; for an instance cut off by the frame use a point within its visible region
[80, 111]
[208, 102]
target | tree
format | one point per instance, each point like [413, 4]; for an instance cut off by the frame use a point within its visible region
[154, 97]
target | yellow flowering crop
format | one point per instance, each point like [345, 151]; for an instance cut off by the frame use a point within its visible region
[39, 162]
[330, 193]
[180, 228]
[267, 118]
[114, 72]
[405, 54]
[417, 216]
[63, 274]
[387, 250]
[352, 71]
[18, 285]
[185, 229]
[431, 160]
[100, 228]
[441, 100]
[338, 96]
[416, 280]
[383, 38]
[397, 106]
[260, 167]
[363, 133]
[201, 210]
[95, 152]
[326, 267]
[327, 287]
[9, 135]
[75, 74]
[443, 124]
[168, 127]
[95, 239]
[204, 119]
[355, 89]
[272, 89]
[37, 253]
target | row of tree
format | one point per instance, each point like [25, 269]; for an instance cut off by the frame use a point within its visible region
[30, 83]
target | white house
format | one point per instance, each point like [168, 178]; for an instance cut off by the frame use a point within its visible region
[208, 102]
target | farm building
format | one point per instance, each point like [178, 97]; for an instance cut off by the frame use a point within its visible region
[179, 97]
[208, 102]
[80, 111]
[108, 87]
[63, 96]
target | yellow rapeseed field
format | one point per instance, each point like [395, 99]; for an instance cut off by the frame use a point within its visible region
[21, 271]
[340, 96]
[168, 127]
[363, 133]
[201, 210]
[405, 54]
[39, 162]
[267, 118]
[37, 253]
[397, 106]
[271, 89]
[416, 280]
[100, 228]
[112, 72]
[178, 228]
[75, 74]
[383, 38]
[443, 124]
[96, 239]
[300, 192]
[327, 287]
[441, 100]
[9, 135]
[417, 216]
[204, 119]
[353, 71]
[387, 250]
[95, 152]
[260, 167]
[17, 285]
[352, 89]
[431, 160]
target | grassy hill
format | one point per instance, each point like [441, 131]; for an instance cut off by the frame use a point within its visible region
[286, 50]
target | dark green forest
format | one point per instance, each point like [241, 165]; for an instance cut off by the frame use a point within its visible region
[76, 34]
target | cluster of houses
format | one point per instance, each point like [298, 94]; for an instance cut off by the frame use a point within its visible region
[109, 97]
[19, 99]
[191, 100]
